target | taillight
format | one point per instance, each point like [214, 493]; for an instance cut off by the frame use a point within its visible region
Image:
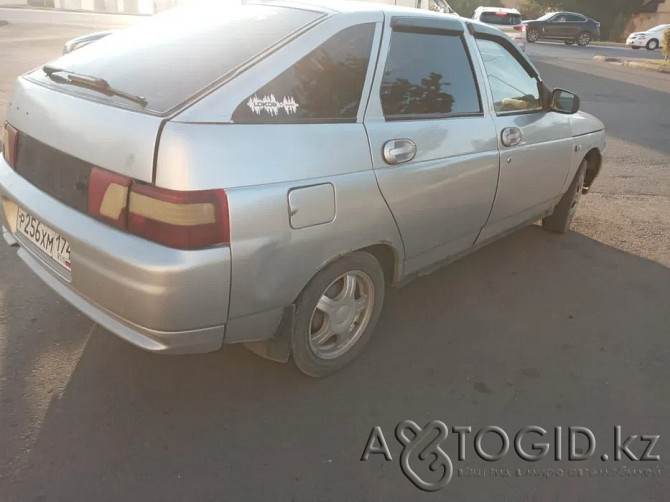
[182, 220]
[598, 25]
[10, 138]
[520, 27]
[108, 197]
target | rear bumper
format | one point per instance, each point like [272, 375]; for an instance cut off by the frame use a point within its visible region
[157, 298]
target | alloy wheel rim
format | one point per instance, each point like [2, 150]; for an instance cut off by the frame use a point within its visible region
[584, 38]
[341, 315]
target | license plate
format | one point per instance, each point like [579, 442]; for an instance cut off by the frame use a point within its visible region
[49, 241]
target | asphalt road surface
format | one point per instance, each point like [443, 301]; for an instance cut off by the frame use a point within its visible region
[535, 329]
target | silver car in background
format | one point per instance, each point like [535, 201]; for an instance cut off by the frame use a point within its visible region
[261, 174]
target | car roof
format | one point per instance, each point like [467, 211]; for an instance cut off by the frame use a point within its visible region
[347, 6]
[497, 9]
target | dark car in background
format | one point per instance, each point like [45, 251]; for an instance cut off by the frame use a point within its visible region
[567, 26]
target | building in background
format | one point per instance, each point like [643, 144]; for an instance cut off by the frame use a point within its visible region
[653, 13]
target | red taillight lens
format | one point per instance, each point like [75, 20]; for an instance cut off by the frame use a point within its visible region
[108, 197]
[520, 27]
[183, 220]
[598, 25]
[10, 138]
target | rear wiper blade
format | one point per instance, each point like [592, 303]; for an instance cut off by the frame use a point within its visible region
[94, 83]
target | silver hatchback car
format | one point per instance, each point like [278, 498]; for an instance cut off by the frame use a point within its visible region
[260, 174]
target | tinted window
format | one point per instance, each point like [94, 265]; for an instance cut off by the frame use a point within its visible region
[324, 86]
[169, 58]
[500, 18]
[428, 76]
[575, 19]
[514, 90]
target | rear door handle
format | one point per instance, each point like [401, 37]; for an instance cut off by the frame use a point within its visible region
[399, 151]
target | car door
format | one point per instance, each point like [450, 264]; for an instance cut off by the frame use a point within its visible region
[433, 142]
[536, 145]
[555, 26]
[575, 25]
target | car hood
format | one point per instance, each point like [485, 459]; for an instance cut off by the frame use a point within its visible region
[585, 123]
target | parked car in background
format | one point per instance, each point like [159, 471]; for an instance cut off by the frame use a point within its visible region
[266, 189]
[650, 39]
[567, 26]
[507, 20]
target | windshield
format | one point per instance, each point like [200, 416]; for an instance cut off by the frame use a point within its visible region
[500, 18]
[660, 27]
[169, 58]
[546, 16]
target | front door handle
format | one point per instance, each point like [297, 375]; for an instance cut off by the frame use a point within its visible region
[398, 151]
[511, 136]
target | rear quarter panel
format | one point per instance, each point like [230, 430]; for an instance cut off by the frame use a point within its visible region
[258, 165]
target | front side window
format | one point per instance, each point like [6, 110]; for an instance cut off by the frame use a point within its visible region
[324, 86]
[513, 89]
[576, 19]
[428, 75]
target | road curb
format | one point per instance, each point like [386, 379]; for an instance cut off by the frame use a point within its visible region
[631, 63]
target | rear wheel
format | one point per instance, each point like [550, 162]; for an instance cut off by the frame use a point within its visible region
[532, 35]
[336, 314]
[652, 45]
[560, 220]
[584, 39]
[568, 42]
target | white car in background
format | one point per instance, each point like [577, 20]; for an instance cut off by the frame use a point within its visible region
[650, 39]
[507, 20]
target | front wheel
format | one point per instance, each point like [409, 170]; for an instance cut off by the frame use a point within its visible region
[568, 42]
[336, 314]
[560, 220]
[532, 35]
[584, 39]
[652, 45]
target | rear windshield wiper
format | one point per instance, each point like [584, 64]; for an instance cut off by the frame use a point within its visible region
[94, 83]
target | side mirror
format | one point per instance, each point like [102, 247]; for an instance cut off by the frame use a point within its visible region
[563, 101]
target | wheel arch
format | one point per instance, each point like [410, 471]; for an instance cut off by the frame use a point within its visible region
[594, 160]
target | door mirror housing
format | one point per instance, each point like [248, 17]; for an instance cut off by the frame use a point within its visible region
[563, 101]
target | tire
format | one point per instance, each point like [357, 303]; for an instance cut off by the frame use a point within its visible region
[584, 39]
[652, 45]
[560, 220]
[568, 42]
[333, 322]
[532, 35]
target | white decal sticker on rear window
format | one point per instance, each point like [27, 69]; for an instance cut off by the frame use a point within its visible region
[270, 105]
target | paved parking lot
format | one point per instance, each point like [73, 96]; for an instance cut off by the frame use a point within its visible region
[535, 329]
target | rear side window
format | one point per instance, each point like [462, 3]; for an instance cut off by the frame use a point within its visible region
[169, 58]
[428, 75]
[502, 18]
[324, 86]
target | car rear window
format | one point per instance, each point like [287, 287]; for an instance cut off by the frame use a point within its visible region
[503, 18]
[169, 58]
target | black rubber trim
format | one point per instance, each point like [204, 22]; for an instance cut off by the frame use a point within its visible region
[413, 24]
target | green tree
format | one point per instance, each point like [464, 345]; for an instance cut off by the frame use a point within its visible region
[605, 11]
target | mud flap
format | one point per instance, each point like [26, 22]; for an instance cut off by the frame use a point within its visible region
[277, 348]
